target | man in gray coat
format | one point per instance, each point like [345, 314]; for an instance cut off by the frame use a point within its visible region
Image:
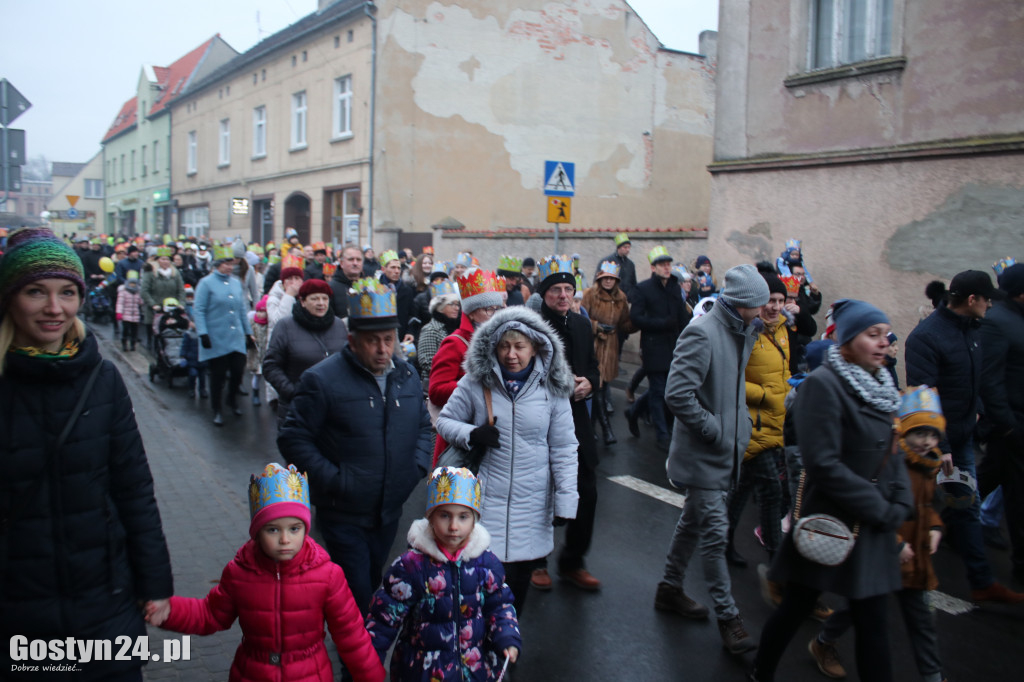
[706, 391]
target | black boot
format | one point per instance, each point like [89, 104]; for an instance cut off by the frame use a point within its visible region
[602, 415]
[732, 556]
[124, 345]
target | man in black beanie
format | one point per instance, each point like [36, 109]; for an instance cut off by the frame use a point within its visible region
[557, 290]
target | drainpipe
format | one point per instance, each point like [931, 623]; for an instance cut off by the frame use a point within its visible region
[371, 13]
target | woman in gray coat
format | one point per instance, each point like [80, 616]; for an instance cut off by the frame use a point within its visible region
[528, 474]
[845, 425]
[298, 342]
[160, 280]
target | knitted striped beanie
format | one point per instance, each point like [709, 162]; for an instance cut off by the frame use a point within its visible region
[35, 253]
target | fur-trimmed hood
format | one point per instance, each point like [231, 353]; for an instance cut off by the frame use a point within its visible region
[421, 538]
[482, 364]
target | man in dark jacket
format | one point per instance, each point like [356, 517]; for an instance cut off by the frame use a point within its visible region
[315, 267]
[359, 427]
[944, 351]
[659, 312]
[627, 270]
[350, 270]
[1002, 398]
[557, 290]
[132, 262]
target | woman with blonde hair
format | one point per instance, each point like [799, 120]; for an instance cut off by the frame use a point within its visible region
[80, 533]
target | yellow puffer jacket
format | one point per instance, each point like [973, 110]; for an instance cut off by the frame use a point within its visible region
[767, 378]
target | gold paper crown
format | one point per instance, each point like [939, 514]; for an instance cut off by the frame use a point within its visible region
[608, 267]
[387, 257]
[368, 298]
[449, 485]
[480, 282]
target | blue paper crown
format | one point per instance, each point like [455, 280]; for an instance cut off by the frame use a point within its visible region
[920, 399]
[449, 485]
[1000, 265]
[608, 267]
[553, 264]
[277, 484]
[368, 298]
[680, 272]
[442, 287]
[464, 259]
[792, 244]
[441, 268]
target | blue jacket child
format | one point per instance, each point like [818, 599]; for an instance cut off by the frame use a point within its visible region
[445, 600]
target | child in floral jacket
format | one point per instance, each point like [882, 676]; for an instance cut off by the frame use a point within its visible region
[445, 600]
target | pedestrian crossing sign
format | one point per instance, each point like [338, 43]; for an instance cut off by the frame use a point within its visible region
[559, 209]
[560, 179]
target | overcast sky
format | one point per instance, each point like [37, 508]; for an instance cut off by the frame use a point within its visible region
[78, 61]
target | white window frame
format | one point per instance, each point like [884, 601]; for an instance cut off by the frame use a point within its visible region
[142, 158]
[156, 157]
[849, 41]
[195, 221]
[193, 152]
[259, 132]
[133, 164]
[224, 148]
[93, 189]
[341, 119]
[300, 122]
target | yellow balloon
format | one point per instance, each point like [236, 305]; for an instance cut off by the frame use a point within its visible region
[106, 265]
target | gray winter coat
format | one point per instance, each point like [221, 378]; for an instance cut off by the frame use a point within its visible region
[531, 477]
[843, 442]
[706, 391]
[293, 349]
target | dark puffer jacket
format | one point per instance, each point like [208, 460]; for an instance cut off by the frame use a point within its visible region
[78, 572]
[659, 313]
[364, 454]
[452, 619]
[944, 352]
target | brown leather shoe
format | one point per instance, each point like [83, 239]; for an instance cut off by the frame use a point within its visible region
[540, 579]
[734, 636]
[827, 658]
[582, 579]
[997, 594]
[672, 598]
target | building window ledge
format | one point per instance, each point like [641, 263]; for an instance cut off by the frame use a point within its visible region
[224, 165]
[341, 138]
[191, 173]
[881, 65]
[257, 157]
[298, 148]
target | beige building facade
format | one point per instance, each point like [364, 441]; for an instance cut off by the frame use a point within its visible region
[887, 135]
[85, 189]
[454, 109]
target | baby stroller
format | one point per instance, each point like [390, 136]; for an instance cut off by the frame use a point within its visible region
[99, 308]
[170, 327]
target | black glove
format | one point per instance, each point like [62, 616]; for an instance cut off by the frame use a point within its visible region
[250, 343]
[559, 521]
[205, 340]
[486, 435]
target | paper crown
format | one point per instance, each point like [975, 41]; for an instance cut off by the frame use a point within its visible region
[368, 299]
[428, 249]
[440, 268]
[621, 238]
[387, 257]
[792, 285]
[680, 272]
[290, 232]
[276, 258]
[449, 485]
[293, 259]
[1000, 265]
[255, 248]
[408, 349]
[329, 269]
[479, 281]
[658, 253]
[222, 251]
[318, 246]
[552, 264]
[270, 245]
[166, 238]
[442, 287]
[510, 263]
[464, 259]
[277, 484]
[608, 268]
[162, 251]
[793, 245]
[920, 406]
[579, 285]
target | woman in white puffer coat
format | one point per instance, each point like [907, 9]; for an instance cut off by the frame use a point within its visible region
[528, 474]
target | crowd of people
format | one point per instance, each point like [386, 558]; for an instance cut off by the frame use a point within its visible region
[494, 385]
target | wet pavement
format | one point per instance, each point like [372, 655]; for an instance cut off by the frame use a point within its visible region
[201, 473]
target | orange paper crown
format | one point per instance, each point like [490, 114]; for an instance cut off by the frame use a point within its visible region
[292, 259]
[792, 285]
[480, 282]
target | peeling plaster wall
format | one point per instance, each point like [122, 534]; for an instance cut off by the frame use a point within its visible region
[879, 232]
[473, 98]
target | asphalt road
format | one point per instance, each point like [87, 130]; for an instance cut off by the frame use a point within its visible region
[202, 471]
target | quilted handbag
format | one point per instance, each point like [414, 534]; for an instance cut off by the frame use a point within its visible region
[455, 456]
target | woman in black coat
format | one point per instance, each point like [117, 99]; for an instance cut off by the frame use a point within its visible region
[845, 423]
[311, 334]
[81, 543]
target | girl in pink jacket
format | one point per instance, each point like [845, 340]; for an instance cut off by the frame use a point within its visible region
[282, 586]
[128, 309]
